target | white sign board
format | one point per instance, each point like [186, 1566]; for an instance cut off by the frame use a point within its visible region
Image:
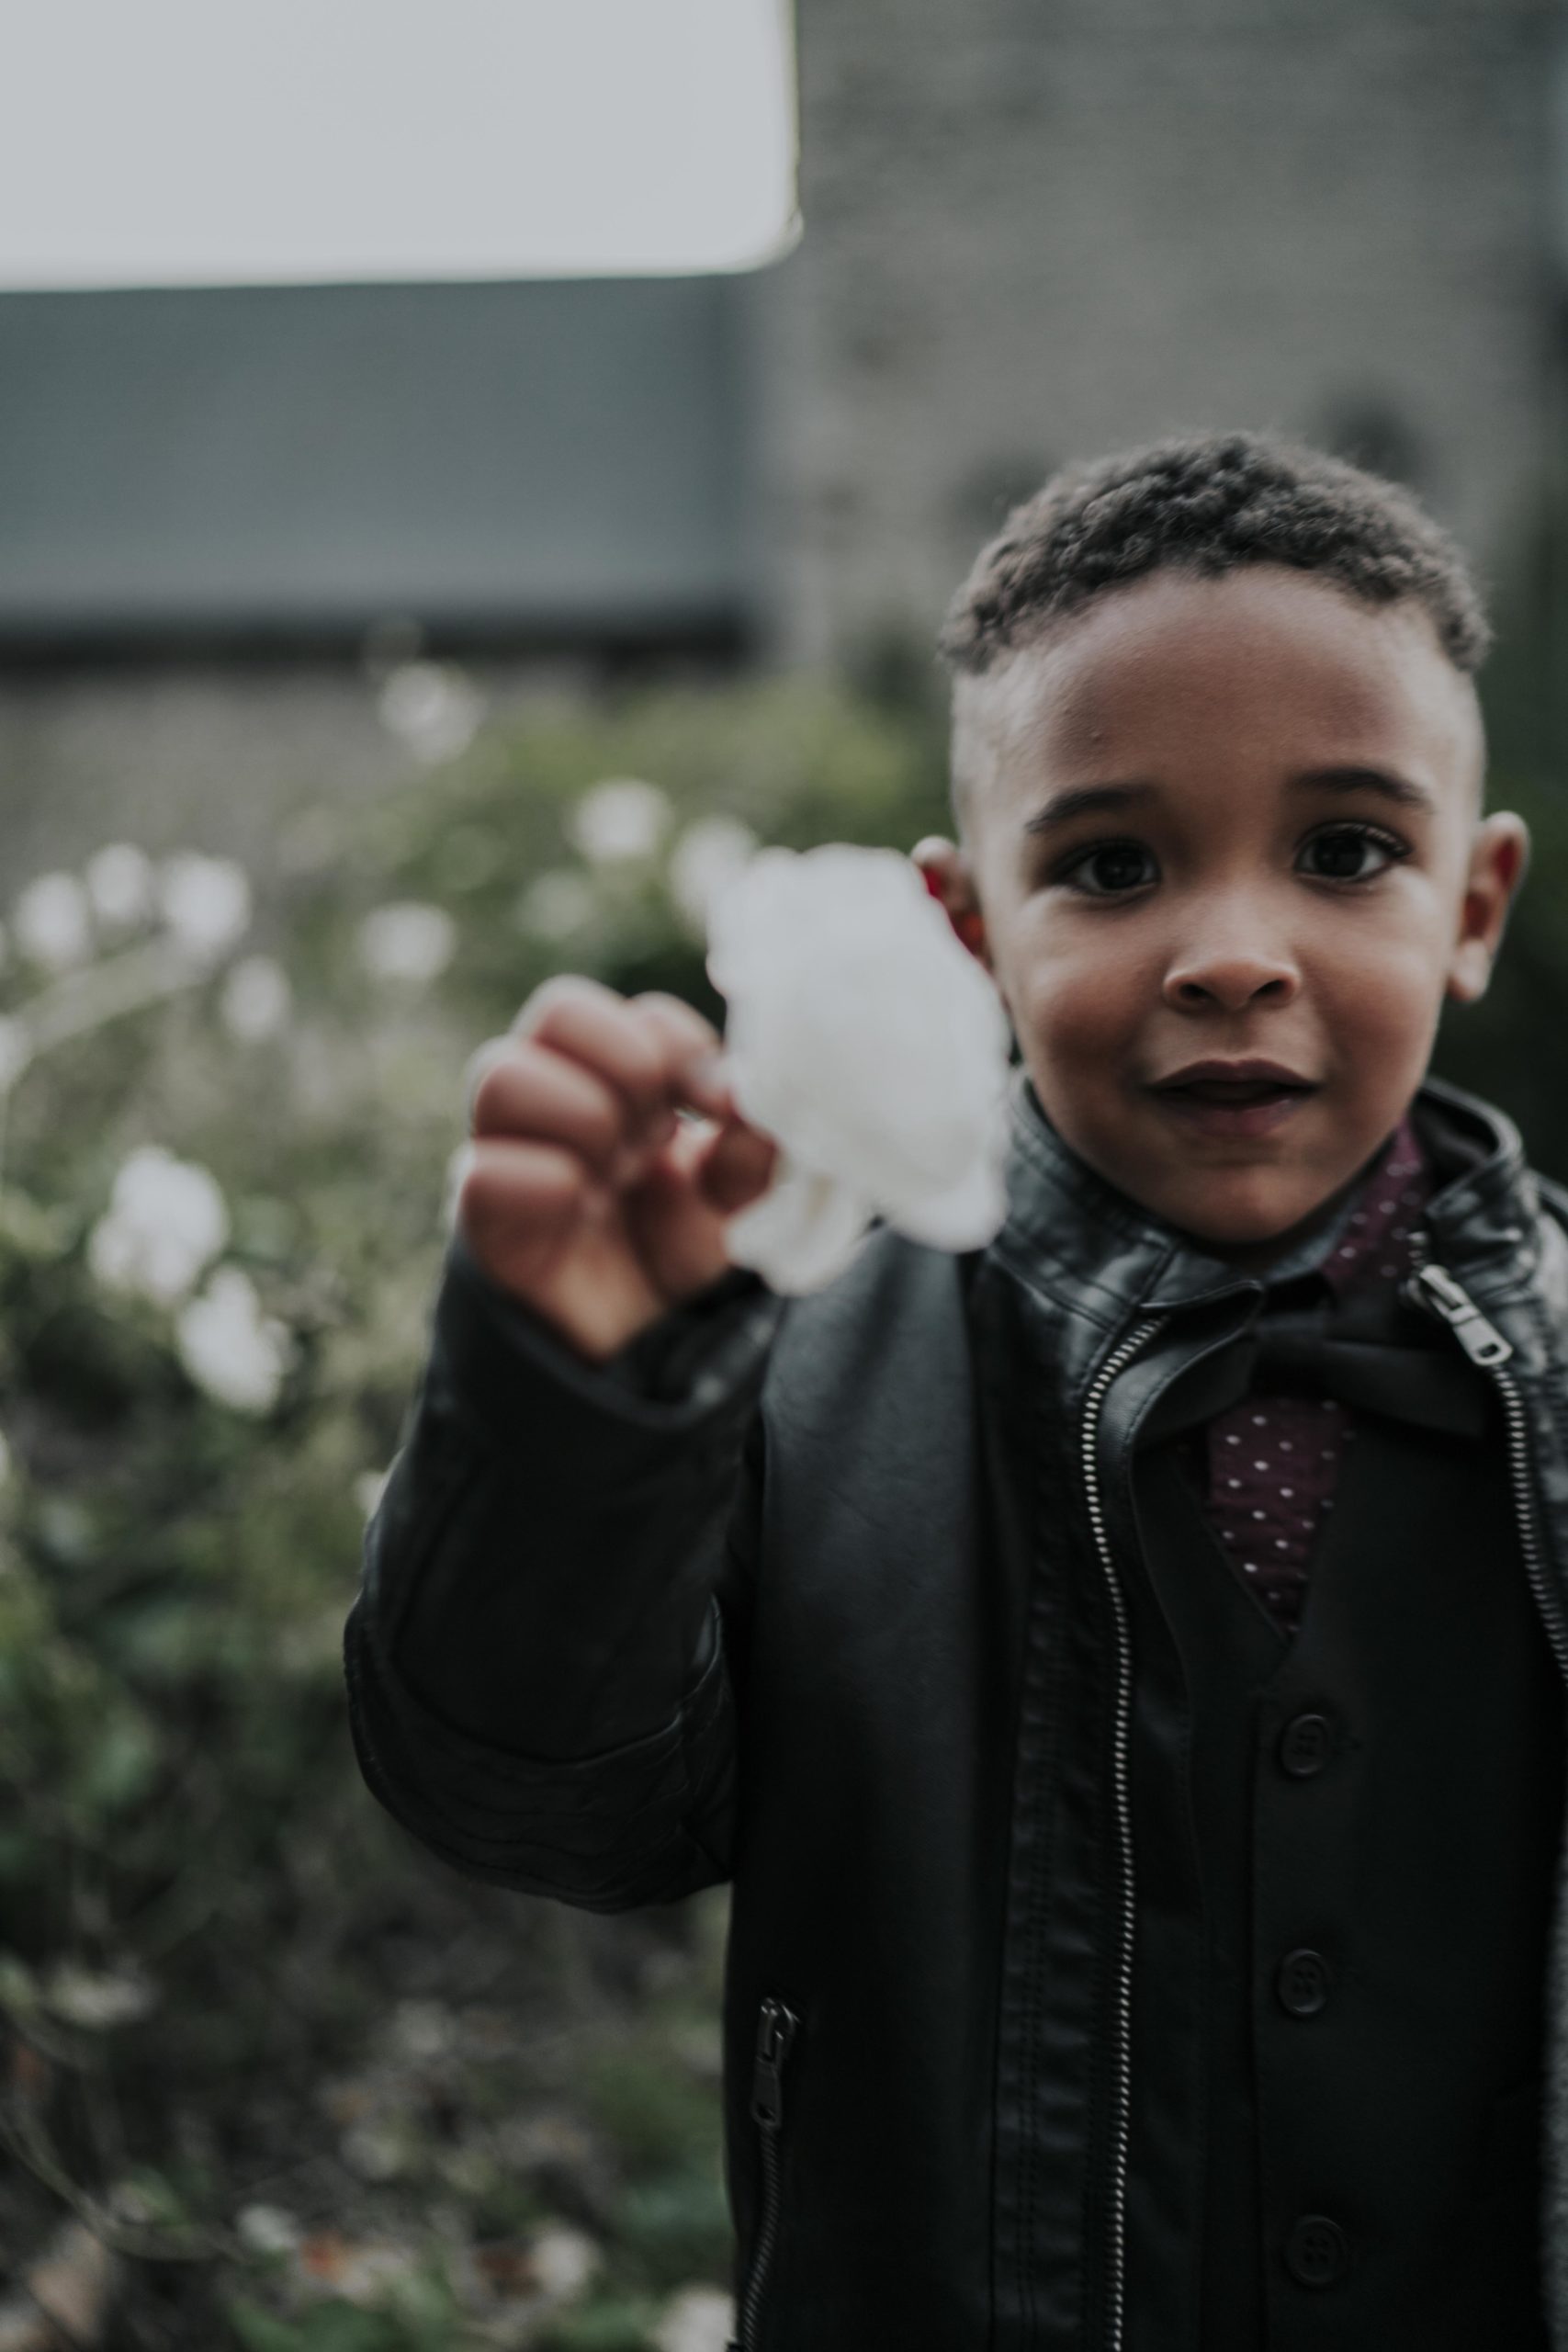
[228, 142]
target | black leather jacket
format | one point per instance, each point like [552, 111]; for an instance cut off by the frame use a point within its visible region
[839, 1617]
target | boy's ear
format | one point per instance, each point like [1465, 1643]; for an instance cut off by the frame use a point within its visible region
[1499, 856]
[948, 878]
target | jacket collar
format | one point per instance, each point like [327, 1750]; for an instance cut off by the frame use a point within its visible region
[1068, 1231]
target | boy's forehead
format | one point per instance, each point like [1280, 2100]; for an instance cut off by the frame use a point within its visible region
[1282, 665]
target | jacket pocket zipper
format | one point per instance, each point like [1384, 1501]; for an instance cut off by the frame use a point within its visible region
[776, 2030]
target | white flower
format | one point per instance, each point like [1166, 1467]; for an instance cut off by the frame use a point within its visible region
[256, 998]
[121, 884]
[708, 855]
[166, 1218]
[231, 1349]
[432, 708]
[555, 904]
[698, 2319]
[562, 2260]
[268, 2229]
[872, 1045]
[205, 902]
[621, 817]
[407, 941]
[95, 1998]
[53, 922]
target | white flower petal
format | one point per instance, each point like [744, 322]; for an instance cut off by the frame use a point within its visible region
[53, 921]
[803, 1231]
[865, 1038]
[121, 883]
[205, 902]
[621, 817]
[229, 1347]
[407, 941]
[433, 707]
[256, 998]
[707, 857]
[165, 1219]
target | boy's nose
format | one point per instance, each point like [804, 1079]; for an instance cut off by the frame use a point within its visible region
[1230, 975]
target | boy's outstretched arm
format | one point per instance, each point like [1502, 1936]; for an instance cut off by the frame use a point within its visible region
[543, 1653]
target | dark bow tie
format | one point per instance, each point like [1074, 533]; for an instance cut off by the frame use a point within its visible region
[1321, 1353]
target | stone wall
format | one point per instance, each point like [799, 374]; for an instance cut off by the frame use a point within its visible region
[1037, 230]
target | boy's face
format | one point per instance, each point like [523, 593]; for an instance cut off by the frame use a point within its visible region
[1227, 822]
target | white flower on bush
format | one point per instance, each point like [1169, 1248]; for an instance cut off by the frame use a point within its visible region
[697, 2318]
[872, 1047]
[229, 1347]
[205, 903]
[432, 708]
[165, 1219]
[53, 921]
[407, 941]
[555, 904]
[708, 856]
[256, 998]
[121, 884]
[621, 817]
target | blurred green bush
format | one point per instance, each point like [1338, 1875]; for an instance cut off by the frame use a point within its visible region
[310, 2088]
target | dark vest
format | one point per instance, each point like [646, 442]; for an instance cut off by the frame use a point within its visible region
[1346, 1848]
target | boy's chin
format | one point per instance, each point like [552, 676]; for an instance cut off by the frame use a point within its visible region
[1259, 1222]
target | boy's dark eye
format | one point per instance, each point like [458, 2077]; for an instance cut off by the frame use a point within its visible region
[1108, 868]
[1341, 853]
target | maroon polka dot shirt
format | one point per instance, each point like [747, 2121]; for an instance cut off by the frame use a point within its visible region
[1274, 1460]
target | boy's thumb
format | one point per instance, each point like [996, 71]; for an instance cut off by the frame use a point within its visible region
[735, 1167]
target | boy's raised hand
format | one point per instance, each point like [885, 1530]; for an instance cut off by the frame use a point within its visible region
[585, 1197]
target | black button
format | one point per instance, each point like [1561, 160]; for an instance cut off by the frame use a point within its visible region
[1304, 1983]
[1318, 2251]
[1305, 1746]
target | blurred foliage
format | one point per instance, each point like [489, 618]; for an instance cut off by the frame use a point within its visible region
[313, 2088]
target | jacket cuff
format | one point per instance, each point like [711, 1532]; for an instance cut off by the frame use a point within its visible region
[681, 1372]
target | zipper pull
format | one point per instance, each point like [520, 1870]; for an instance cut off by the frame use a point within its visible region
[776, 2032]
[1435, 1288]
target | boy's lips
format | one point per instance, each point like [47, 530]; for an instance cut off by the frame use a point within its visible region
[1237, 1099]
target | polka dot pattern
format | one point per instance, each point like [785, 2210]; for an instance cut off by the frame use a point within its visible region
[1267, 1500]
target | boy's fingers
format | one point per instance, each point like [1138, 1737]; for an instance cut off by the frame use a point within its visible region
[735, 1167]
[525, 1092]
[583, 1018]
[505, 1181]
[651, 1046]
[693, 1047]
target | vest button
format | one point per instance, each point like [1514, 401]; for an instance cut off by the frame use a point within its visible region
[1318, 2251]
[1304, 1982]
[1305, 1744]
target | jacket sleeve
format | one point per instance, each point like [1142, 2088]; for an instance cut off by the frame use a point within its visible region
[542, 1656]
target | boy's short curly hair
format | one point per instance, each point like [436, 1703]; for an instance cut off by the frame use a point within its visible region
[1209, 504]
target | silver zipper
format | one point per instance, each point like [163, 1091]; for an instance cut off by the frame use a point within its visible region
[1115, 1362]
[1437, 1290]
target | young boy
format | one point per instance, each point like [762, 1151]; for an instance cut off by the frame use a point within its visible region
[1120, 1670]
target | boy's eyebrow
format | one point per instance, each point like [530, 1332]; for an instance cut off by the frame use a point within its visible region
[1087, 800]
[1397, 788]
[1107, 800]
